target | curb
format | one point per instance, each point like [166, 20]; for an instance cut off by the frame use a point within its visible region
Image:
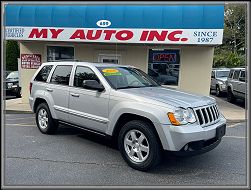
[17, 112]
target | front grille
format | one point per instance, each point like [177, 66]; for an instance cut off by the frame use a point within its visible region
[207, 115]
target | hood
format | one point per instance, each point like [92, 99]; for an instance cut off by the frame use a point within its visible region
[10, 81]
[169, 96]
[223, 79]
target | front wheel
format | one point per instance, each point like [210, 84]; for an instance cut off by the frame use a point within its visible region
[139, 145]
[46, 124]
[230, 96]
[218, 92]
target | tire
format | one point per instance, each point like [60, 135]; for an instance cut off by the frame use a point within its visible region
[218, 92]
[142, 159]
[46, 127]
[230, 96]
[18, 95]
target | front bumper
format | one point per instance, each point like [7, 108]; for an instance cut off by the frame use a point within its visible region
[11, 91]
[223, 87]
[196, 137]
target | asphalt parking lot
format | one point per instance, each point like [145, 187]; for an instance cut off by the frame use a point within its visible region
[74, 157]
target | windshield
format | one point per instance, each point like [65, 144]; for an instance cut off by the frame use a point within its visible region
[12, 75]
[126, 77]
[222, 73]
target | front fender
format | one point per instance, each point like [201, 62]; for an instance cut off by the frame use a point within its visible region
[155, 114]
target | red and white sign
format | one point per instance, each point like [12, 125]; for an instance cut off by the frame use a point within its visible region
[117, 35]
[30, 61]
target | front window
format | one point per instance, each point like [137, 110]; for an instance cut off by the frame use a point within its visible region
[222, 74]
[126, 77]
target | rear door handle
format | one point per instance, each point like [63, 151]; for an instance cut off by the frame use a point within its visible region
[49, 89]
[75, 95]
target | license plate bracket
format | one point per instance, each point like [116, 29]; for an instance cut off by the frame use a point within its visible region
[220, 131]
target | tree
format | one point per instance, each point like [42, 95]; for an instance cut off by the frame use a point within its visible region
[12, 53]
[232, 51]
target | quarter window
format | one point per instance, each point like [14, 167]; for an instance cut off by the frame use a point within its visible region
[61, 75]
[43, 73]
[236, 74]
[83, 73]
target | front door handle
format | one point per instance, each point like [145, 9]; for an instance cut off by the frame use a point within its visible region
[49, 89]
[75, 95]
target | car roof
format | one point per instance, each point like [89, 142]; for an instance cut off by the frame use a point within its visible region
[222, 69]
[86, 64]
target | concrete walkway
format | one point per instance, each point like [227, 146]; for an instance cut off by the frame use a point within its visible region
[231, 112]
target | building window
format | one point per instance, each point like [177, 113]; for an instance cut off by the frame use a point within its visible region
[59, 53]
[164, 66]
[61, 75]
[110, 58]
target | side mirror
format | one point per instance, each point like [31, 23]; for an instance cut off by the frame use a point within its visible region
[93, 84]
[212, 76]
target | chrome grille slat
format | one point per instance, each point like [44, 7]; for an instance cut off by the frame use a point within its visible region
[207, 115]
[214, 115]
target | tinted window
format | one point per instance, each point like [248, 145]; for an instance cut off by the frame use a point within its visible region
[243, 74]
[61, 75]
[231, 74]
[43, 73]
[236, 74]
[83, 73]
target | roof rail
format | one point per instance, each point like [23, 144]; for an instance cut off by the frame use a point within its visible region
[77, 60]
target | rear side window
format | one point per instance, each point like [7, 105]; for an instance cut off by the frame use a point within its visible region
[243, 73]
[43, 73]
[231, 74]
[236, 74]
[84, 73]
[61, 75]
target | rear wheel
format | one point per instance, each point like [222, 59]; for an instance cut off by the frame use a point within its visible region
[139, 145]
[230, 96]
[46, 124]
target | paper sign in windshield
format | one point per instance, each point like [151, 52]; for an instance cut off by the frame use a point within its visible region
[111, 72]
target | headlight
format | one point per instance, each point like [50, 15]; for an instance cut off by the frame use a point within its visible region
[221, 82]
[182, 116]
[10, 85]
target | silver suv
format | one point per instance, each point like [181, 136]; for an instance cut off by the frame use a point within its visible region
[236, 84]
[218, 80]
[126, 105]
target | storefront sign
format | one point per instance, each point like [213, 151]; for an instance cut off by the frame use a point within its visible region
[119, 35]
[164, 56]
[30, 61]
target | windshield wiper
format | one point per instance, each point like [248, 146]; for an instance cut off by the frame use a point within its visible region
[130, 87]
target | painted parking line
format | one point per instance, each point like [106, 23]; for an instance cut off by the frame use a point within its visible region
[237, 137]
[28, 125]
[19, 118]
[20, 124]
[234, 125]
